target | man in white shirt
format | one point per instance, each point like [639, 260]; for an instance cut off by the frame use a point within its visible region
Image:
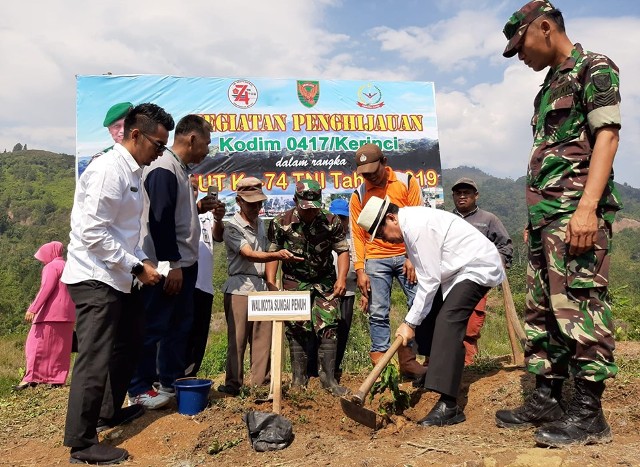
[103, 258]
[455, 266]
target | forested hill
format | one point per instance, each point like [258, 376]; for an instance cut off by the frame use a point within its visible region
[36, 193]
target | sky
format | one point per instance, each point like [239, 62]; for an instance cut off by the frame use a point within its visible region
[484, 102]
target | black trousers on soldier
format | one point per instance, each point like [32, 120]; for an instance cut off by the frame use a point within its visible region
[110, 328]
[440, 336]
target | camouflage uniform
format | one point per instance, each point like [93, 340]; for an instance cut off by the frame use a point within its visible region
[577, 98]
[315, 243]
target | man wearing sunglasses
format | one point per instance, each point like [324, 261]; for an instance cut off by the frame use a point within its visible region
[572, 202]
[103, 256]
[171, 233]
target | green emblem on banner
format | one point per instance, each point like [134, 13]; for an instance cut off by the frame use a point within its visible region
[308, 92]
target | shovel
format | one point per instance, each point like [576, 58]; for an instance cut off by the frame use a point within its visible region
[352, 406]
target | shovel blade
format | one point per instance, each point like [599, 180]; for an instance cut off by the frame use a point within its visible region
[360, 414]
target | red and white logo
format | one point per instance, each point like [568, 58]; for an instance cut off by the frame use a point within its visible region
[243, 94]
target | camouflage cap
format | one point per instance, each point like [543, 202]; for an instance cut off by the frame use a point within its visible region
[116, 112]
[464, 181]
[308, 194]
[368, 158]
[519, 22]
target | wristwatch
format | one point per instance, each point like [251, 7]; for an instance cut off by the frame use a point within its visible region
[137, 269]
[411, 325]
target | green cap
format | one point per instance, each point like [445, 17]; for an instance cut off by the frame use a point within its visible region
[519, 22]
[116, 112]
[308, 194]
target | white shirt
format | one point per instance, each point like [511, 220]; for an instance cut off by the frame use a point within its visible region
[205, 254]
[106, 221]
[445, 250]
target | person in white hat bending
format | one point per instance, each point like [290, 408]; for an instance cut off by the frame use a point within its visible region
[455, 266]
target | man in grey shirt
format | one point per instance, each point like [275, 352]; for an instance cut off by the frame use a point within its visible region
[246, 244]
[465, 197]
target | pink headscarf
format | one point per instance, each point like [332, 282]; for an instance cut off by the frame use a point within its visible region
[49, 251]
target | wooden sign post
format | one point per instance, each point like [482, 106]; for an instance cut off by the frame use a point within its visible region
[278, 307]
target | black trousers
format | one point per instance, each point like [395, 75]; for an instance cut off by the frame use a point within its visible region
[197, 343]
[440, 336]
[110, 327]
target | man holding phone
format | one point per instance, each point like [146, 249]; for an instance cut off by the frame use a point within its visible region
[171, 234]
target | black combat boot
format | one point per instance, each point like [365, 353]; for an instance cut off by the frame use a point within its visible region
[543, 405]
[298, 364]
[584, 422]
[326, 366]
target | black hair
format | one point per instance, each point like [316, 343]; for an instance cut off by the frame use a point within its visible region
[146, 118]
[391, 209]
[555, 15]
[190, 123]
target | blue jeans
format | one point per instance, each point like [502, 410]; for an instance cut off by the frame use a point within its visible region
[168, 322]
[381, 273]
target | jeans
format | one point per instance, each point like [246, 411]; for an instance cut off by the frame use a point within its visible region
[381, 273]
[168, 323]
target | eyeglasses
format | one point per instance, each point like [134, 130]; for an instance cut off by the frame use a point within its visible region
[160, 148]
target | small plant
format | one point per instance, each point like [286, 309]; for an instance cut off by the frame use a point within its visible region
[389, 380]
[216, 447]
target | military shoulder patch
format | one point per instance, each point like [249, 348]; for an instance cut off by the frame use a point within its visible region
[602, 81]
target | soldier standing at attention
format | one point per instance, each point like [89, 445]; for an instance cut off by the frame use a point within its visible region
[312, 233]
[572, 202]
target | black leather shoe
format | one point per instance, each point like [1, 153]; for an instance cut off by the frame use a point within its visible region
[122, 417]
[98, 454]
[440, 415]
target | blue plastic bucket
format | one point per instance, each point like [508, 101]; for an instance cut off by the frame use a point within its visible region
[192, 395]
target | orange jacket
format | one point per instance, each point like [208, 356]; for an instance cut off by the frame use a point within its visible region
[400, 195]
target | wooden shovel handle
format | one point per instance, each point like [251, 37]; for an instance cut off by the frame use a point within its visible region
[359, 396]
[517, 336]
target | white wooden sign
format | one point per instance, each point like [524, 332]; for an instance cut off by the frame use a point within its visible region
[279, 306]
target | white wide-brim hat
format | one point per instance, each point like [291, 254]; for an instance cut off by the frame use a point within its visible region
[372, 215]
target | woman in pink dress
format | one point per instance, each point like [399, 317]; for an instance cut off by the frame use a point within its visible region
[52, 314]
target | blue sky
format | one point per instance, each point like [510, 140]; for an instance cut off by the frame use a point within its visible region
[483, 101]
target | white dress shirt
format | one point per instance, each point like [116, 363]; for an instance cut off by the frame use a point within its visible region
[105, 222]
[445, 250]
[205, 253]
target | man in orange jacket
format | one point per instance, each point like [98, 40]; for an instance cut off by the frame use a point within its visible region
[377, 262]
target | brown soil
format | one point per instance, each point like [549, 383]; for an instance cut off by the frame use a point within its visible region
[324, 436]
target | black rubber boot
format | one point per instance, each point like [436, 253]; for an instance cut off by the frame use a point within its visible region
[326, 366]
[543, 405]
[584, 422]
[298, 364]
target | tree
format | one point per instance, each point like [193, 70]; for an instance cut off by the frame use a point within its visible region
[25, 147]
[17, 147]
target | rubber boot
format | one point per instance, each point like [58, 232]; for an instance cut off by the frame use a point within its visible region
[298, 364]
[543, 405]
[584, 422]
[409, 367]
[326, 366]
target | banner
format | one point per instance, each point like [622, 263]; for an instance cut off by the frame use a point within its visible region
[278, 130]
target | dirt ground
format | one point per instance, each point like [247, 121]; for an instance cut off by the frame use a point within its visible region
[33, 420]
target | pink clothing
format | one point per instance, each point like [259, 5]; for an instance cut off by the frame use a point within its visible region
[48, 346]
[53, 302]
[48, 350]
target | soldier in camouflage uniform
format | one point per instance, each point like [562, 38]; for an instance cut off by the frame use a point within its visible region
[572, 202]
[310, 232]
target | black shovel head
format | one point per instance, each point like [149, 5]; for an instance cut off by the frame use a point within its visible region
[360, 414]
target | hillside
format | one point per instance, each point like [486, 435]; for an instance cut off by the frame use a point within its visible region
[36, 191]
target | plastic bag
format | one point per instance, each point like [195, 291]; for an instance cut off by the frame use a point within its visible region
[268, 431]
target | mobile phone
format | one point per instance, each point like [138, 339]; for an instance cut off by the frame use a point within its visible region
[212, 191]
